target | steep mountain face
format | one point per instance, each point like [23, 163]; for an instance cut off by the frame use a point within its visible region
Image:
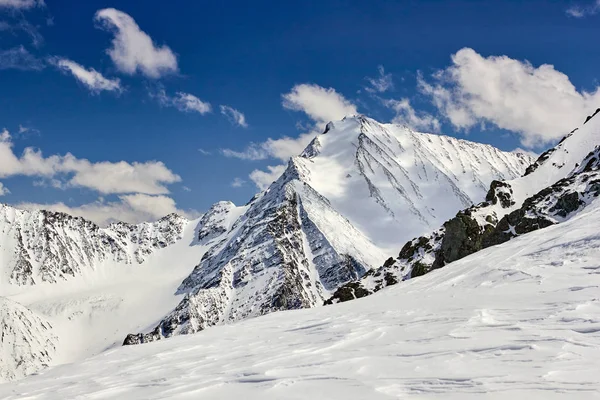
[44, 246]
[330, 218]
[391, 182]
[563, 181]
[27, 341]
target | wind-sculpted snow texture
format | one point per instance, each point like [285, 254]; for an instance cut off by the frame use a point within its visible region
[563, 181]
[515, 321]
[354, 191]
[27, 341]
[44, 246]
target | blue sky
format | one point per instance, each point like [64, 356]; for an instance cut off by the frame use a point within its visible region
[147, 97]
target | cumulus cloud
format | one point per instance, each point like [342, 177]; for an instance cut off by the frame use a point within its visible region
[21, 4]
[20, 58]
[133, 50]
[183, 102]
[318, 103]
[90, 78]
[407, 115]
[539, 103]
[234, 116]
[134, 208]
[3, 190]
[262, 179]
[382, 83]
[579, 11]
[105, 177]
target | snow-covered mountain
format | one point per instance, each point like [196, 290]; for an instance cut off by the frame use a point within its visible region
[44, 246]
[516, 321]
[357, 191]
[561, 183]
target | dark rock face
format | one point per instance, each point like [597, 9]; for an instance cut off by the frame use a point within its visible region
[500, 192]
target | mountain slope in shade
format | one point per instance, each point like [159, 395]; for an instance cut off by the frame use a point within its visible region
[516, 321]
[27, 341]
[331, 216]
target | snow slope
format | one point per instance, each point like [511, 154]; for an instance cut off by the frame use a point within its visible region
[520, 320]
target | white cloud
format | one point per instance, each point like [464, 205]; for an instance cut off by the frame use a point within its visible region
[234, 116]
[183, 102]
[406, 115]
[90, 78]
[254, 152]
[238, 182]
[320, 104]
[134, 208]
[539, 103]
[105, 177]
[27, 131]
[19, 58]
[133, 49]
[204, 152]
[382, 83]
[21, 4]
[3, 190]
[262, 179]
[578, 11]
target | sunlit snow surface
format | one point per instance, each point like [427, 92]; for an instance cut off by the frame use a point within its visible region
[516, 321]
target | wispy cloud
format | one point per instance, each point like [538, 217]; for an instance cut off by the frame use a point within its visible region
[204, 152]
[253, 152]
[184, 102]
[90, 78]
[382, 83]
[3, 190]
[407, 115]
[238, 182]
[234, 116]
[21, 4]
[579, 11]
[20, 58]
